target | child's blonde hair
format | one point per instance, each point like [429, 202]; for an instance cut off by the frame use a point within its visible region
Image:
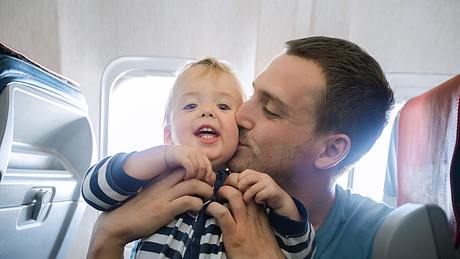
[210, 66]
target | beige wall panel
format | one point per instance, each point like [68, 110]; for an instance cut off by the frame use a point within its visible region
[280, 21]
[31, 27]
[331, 18]
[165, 28]
[409, 36]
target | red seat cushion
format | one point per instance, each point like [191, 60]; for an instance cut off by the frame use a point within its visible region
[426, 156]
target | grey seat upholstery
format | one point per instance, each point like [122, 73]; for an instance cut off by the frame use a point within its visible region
[427, 174]
[414, 231]
[46, 145]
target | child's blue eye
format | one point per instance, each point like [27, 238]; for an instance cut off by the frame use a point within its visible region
[224, 107]
[190, 106]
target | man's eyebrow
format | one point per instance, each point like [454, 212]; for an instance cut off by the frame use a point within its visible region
[282, 106]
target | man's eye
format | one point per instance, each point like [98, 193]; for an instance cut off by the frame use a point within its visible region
[224, 106]
[190, 106]
[268, 113]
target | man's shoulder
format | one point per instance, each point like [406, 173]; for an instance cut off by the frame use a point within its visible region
[361, 216]
[350, 227]
[355, 203]
[355, 211]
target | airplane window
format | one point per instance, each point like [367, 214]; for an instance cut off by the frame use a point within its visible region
[137, 105]
[346, 180]
[368, 175]
[134, 95]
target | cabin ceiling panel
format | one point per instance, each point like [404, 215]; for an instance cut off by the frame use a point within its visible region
[416, 36]
[280, 21]
[331, 18]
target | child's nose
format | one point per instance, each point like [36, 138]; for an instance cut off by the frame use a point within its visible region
[207, 112]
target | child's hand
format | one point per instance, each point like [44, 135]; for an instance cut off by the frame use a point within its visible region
[264, 189]
[195, 162]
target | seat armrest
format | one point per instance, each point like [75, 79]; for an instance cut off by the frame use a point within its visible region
[414, 231]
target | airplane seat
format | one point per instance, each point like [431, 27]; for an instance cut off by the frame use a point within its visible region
[46, 145]
[426, 223]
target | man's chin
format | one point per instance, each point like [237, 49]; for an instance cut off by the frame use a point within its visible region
[237, 164]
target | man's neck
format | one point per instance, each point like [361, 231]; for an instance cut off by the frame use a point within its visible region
[318, 195]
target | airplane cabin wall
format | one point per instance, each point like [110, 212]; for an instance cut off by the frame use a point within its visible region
[79, 38]
[32, 28]
[416, 42]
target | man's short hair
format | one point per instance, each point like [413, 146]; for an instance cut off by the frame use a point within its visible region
[357, 98]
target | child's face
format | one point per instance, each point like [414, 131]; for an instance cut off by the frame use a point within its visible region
[203, 115]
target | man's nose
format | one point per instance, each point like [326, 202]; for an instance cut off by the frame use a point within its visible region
[244, 115]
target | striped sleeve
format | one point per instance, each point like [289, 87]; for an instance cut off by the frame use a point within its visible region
[106, 185]
[295, 238]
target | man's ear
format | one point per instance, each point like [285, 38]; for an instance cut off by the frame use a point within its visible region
[335, 149]
[167, 138]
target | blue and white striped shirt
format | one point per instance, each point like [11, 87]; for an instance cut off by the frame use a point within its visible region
[106, 186]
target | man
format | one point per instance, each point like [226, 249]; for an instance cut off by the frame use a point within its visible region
[316, 109]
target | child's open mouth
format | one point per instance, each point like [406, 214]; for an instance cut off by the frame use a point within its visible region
[207, 134]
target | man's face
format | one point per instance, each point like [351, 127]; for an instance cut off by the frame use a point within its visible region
[278, 121]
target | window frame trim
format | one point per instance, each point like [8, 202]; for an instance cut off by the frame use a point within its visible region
[123, 66]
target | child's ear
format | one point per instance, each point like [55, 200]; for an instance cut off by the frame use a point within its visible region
[167, 139]
[335, 149]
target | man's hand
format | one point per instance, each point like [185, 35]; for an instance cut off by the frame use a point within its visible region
[245, 229]
[154, 207]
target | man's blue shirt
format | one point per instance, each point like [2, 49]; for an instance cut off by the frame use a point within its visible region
[350, 227]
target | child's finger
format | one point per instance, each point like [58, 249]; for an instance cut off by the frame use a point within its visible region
[211, 178]
[187, 164]
[252, 191]
[201, 166]
[206, 167]
[250, 172]
[246, 181]
[210, 175]
[262, 196]
[232, 180]
[246, 173]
